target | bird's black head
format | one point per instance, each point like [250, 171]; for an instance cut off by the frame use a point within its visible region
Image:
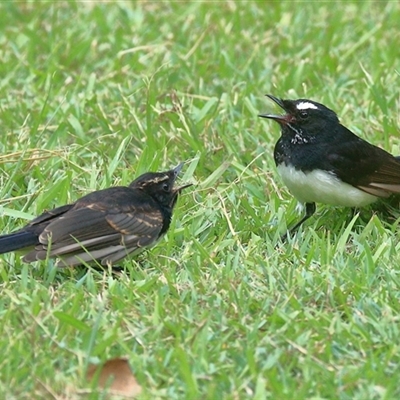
[304, 116]
[160, 186]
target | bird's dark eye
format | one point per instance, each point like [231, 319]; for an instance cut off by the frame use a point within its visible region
[165, 187]
[303, 114]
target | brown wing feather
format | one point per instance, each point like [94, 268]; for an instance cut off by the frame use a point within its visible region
[385, 180]
[364, 166]
[89, 233]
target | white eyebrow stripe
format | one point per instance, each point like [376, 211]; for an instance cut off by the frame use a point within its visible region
[305, 105]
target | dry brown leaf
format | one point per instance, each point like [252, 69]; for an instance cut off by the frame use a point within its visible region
[116, 375]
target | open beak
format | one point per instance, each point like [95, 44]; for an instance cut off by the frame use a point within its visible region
[180, 188]
[176, 171]
[283, 119]
[276, 100]
[176, 192]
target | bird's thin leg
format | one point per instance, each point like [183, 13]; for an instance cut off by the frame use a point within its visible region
[310, 210]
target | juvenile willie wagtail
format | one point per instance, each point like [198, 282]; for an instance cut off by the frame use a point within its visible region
[103, 226]
[321, 161]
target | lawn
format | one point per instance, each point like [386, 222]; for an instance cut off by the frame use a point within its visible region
[93, 94]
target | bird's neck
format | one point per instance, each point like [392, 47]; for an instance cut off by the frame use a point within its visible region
[296, 136]
[166, 212]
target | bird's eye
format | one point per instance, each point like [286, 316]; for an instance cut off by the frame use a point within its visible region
[303, 114]
[165, 187]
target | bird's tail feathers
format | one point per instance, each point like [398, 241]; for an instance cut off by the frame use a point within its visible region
[17, 241]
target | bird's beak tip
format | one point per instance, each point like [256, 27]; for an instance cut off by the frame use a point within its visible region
[276, 100]
[178, 168]
[179, 189]
[271, 116]
[185, 186]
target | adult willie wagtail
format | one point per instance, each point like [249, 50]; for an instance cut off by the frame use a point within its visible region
[321, 161]
[103, 226]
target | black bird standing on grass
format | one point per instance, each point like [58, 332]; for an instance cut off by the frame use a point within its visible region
[103, 226]
[321, 161]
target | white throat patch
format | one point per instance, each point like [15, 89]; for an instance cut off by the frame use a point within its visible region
[305, 105]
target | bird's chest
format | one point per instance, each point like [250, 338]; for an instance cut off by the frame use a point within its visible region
[295, 148]
[304, 166]
[321, 186]
[166, 219]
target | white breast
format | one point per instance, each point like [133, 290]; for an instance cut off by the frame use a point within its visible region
[320, 186]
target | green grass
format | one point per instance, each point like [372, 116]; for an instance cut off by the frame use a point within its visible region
[94, 94]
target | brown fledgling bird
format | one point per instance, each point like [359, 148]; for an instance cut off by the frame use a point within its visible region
[104, 226]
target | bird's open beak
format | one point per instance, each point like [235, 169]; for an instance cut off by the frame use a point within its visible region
[283, 119]
[176, 171]
[180, 188]
[276, 100]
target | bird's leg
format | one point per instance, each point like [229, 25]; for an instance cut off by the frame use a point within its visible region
[310, 210]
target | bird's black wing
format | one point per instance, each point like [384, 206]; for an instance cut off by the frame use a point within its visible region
[104, 226]
[48, 216]
[367, 167]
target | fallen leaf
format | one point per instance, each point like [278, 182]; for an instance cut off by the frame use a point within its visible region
[116, 375]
